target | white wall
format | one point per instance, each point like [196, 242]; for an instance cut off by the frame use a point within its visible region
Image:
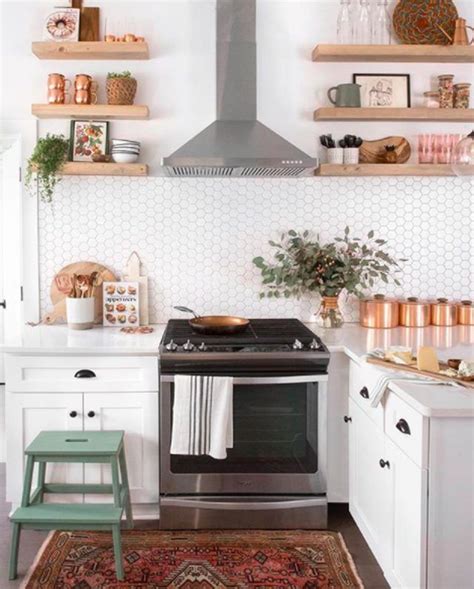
[426, 220]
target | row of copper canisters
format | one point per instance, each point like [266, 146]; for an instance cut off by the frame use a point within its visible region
[85, 89]
[380, 312]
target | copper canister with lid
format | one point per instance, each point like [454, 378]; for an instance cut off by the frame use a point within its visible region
[415, 313]
[444, 313]
[466, 313]
[379, 312]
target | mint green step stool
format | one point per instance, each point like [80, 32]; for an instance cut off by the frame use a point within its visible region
[79, 447]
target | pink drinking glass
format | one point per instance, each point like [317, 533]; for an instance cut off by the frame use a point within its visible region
[425, 149]
[443, 149]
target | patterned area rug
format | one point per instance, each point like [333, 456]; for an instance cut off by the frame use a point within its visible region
[195, 560]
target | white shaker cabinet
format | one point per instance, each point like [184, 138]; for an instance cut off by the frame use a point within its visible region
[96, 401]
[410, 483]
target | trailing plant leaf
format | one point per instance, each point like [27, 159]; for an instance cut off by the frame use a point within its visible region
[47, 159]
[303, 264]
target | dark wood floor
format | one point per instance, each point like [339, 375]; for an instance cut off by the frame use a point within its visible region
[339, 520]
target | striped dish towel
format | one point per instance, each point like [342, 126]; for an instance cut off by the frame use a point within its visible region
[202, 416]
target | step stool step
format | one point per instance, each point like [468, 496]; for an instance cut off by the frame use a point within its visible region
[61, 443]
[79, 513]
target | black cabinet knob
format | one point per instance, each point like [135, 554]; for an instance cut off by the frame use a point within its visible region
[347, 419]
[84, 374]
[364, 392]
[91, 414]
[384, 463]
[403, 427]
[73, 414]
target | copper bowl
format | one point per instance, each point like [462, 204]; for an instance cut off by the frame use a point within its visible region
[379, 312]
[444, 313]
[466, 313]
[415, 313]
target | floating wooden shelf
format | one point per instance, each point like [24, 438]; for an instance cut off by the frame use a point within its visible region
[388, 170]
[103, 169]
[395, 53]
[90, 50]
[394, 114]
[89, 111]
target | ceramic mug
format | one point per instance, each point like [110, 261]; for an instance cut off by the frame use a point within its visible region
[347, 95]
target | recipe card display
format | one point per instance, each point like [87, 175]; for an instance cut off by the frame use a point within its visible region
[121, 305]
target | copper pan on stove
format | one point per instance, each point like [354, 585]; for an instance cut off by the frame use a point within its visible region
[215, 324]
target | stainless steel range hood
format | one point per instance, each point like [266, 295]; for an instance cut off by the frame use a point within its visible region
[236, 144]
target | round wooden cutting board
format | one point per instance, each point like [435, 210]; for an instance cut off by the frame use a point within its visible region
[62, 285]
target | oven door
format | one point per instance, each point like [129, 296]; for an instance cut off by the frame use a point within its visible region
[279, 441]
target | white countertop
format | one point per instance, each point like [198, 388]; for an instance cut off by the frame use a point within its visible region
[352, 339]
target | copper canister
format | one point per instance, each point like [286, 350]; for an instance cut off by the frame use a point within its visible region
[466, 313]
[444, 313]
[379, 312]
[415, 313]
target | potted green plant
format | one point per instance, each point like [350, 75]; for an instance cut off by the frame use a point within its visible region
[121, 88]
[46, 161]
[303, 264]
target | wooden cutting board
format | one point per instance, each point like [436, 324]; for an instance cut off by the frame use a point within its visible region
[89, 29]
[373, 152]
[62, 284]
[414, 370]
[132, 274]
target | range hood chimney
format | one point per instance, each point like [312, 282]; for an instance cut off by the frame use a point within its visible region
[236, 144]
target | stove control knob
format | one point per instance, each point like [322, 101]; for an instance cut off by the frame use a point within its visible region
[314, 345]
[188, 346]
[171, 346]
[297, 345]
[203, 347]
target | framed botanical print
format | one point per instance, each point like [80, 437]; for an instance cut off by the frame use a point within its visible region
[62, 25]
[384, 90]
[88, 138]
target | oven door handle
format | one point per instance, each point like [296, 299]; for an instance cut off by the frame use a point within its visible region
[244, 380]
[239, 505]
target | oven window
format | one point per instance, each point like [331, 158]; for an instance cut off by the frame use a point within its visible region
[275, 431]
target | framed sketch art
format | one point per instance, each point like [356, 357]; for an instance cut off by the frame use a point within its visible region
[88, 138]
[384, 90]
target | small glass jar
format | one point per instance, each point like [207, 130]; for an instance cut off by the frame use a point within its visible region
[329, 314]
[462, 95]
[431, 99]
[446, 91]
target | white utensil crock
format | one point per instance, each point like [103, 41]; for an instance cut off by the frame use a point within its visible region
[335, 155]
[80, 313]
[351, 155]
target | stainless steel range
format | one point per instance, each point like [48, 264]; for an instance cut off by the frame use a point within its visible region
[274, 476]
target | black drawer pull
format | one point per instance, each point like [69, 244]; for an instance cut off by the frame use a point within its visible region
[91, 414]
[384, 463]
[73, 414]
[403, 426]
[84, 374]
[347, 419]
[364, 392]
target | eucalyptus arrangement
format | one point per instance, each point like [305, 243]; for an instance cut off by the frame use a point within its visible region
[303, 264]
[46, 161]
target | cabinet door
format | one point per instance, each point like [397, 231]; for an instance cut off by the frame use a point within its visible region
[137, 415]
[370, 485]
[409, 518]
[28, 415]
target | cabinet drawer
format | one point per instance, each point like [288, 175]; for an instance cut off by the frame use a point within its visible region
[81, 374]
[361, 387]
[407, 429]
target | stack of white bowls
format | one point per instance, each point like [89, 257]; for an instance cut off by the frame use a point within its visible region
[125, 151]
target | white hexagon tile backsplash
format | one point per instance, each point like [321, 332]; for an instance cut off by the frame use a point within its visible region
[197, 237]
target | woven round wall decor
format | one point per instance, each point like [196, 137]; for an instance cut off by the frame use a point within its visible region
[417, 22]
